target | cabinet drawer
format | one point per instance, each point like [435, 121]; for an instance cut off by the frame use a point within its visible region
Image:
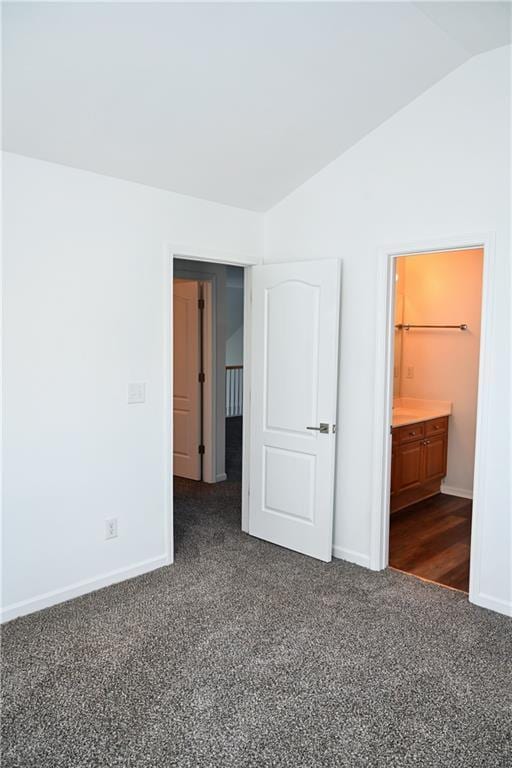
[436, 426]
[412, 432]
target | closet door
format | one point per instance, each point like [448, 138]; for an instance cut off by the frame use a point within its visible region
[186, 391]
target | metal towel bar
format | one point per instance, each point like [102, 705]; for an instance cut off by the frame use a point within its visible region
[408, 326]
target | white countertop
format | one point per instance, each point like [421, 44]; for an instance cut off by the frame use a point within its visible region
[409, 410]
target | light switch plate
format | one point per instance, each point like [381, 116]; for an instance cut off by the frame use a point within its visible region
[136, 392]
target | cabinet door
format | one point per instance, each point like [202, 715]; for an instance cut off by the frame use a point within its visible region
[410, 461]
[395, 469]
[434, 451]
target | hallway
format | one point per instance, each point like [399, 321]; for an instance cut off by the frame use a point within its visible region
[204, 514]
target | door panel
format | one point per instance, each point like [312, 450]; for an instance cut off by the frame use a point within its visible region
[295, 316]
[291, 312]
[411, 470]
[297, 501]
[186, 393]
[435, 457]
[395, 470]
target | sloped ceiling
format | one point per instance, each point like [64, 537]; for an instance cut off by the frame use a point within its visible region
[237, 102]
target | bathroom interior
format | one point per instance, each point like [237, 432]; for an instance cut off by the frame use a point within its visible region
[437, 316]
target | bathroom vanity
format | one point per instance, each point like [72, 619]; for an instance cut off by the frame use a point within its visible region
[419, 452]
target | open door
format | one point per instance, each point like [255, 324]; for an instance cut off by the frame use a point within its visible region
[294, 383]
[186, 394]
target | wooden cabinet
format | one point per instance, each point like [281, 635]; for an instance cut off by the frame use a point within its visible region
[395, 477]
[434, 457]
[418, 461]
[411, 433]
[410, 465]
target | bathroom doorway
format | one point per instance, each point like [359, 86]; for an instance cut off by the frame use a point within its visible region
[436, 355]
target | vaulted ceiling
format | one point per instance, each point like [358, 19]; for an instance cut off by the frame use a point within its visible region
[233, 102]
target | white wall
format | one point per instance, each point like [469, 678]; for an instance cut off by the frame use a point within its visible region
[442, 288]
[84, 303]
[85, 291]
[440, 167]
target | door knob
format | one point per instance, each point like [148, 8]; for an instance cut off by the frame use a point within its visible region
[323, 428]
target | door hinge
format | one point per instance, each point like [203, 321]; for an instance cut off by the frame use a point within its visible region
[201, 450]
[201, 378]
[200, 303]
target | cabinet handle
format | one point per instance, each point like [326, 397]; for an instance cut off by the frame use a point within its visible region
[411, 434]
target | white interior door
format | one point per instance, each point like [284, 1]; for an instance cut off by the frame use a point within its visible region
[186, 393]
[294, 383]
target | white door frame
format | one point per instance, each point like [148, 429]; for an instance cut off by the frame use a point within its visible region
[216, 257]
[379, 529]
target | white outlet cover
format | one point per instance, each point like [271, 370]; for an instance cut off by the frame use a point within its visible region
[136, 392]
[111, 528]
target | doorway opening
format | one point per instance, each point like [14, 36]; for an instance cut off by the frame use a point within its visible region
[208, 396]
[435, 370]
[289, 371]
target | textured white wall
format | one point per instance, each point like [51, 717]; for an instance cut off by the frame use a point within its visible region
[438, 168]
[84, 309]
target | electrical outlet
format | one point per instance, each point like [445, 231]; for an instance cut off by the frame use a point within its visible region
[111, 528]
[410, 372]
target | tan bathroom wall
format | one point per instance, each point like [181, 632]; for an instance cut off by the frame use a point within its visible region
[399, 318]
[445, 288]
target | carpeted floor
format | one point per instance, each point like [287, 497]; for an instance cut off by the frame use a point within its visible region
[245, 654]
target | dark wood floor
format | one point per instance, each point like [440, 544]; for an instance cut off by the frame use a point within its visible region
[431, 539]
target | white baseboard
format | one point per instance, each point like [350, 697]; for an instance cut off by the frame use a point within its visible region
[48, 599]
[492, 603]
[351, 556]
[218, 479]
[451, 491]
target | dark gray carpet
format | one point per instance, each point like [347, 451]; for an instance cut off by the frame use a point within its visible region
[244, 654]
